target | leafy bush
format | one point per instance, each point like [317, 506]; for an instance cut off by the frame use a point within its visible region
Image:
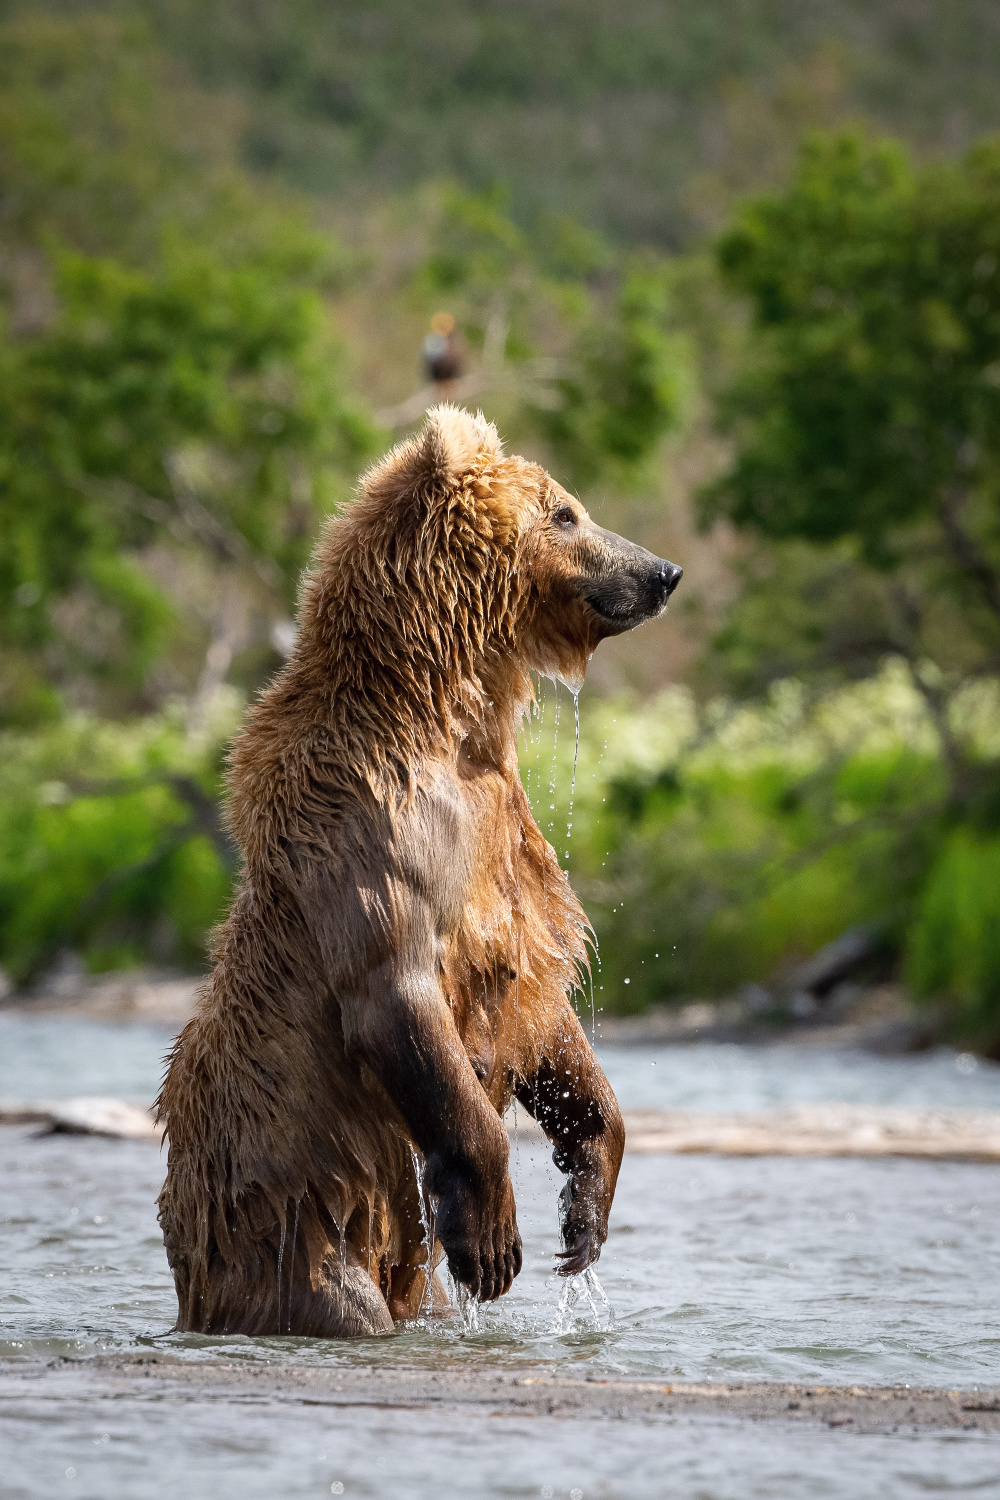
[953, 946]
[111, 845]
[712, 846]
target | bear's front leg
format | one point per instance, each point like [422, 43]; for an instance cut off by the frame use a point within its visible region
[573, 1102]
[381, 934]
[403, 1031]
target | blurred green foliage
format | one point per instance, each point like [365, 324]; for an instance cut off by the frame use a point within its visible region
[866, 415]
[184, 393]
[606, 112]
[870, 399]
[714, 844]
[183, 405]
[111, 843]
[624, 385]
[583, 341]
[954, 947]
[175, 420]
[865, 419]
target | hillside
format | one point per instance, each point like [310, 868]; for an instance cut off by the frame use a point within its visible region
[640, 120]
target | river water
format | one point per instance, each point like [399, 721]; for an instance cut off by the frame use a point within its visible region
[716, 1268]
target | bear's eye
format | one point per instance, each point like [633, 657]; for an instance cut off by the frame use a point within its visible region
[565, 516]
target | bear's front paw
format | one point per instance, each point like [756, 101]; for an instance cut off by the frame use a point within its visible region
[584, 1227]
[478, 1230]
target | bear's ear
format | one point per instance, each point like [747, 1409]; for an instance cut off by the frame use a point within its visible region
[452, 441]
[436, 459]
[432, 463]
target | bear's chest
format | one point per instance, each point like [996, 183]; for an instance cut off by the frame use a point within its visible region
[513, 945]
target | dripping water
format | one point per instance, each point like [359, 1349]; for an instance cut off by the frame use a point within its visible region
[597, 947]
[291, 1267]
[590, 985]
[428, 1215]
[461, 1296]
[343, 1258]
[555, 767]
[281, 1256]
[534, 731]
[572, 785]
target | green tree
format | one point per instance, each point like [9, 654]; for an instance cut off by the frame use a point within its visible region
[866, 413]
[872, 398]
[865, 417]
[579, 342]
[199, 407]
[173, 426]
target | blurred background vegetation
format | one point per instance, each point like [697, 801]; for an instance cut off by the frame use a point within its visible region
[731, 269]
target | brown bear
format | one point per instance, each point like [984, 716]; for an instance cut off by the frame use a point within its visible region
[398, 960]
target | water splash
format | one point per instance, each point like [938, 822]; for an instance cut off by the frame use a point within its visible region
[467, 1305]
[584, 1303]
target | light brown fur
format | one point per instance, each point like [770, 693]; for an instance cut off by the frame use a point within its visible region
[397, 962]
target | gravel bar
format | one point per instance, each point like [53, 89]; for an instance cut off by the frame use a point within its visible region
[860, 1408]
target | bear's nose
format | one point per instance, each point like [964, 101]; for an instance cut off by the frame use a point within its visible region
[670, 577]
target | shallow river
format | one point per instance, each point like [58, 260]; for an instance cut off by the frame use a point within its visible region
[716, 1268]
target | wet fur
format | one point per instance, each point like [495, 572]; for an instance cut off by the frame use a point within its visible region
[397, 961]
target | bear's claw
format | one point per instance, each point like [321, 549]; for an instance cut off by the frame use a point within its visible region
[577, 1255]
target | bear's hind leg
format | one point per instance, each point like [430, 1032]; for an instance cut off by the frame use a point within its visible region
[347, 1305]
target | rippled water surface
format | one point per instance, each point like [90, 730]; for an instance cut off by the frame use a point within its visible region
[832, 1271]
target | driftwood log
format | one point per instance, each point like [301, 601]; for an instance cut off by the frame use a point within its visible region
[846, 1130]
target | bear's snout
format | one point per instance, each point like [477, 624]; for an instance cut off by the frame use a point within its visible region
[624, 584]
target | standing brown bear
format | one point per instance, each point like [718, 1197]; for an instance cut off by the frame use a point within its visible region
[397, 962]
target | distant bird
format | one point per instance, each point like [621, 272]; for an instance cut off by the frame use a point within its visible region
[442, 351]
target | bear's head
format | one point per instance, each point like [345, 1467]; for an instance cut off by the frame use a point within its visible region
[456, 560]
